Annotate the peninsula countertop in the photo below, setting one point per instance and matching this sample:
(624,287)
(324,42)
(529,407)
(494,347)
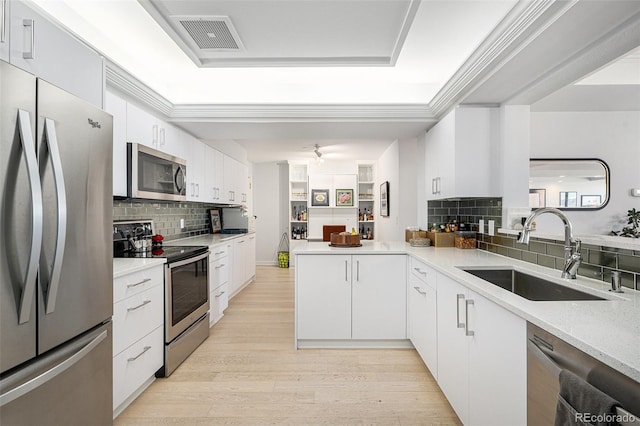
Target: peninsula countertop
(608,330)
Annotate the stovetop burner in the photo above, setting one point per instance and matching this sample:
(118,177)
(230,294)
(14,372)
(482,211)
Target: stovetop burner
(132,239)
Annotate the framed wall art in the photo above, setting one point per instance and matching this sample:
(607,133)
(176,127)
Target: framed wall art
(214,217)
(319,197)
(384,199)
(344,197)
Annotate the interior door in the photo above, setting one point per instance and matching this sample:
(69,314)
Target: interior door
(76,273)
(20,248)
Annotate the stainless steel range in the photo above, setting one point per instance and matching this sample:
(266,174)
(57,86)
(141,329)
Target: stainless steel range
(186,293)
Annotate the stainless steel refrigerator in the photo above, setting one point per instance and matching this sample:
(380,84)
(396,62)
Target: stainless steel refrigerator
(56,273)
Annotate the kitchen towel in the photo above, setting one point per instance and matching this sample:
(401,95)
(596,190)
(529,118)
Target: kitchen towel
(579,403)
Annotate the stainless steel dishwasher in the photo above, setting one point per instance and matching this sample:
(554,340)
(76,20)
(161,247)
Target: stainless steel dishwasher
(547,355)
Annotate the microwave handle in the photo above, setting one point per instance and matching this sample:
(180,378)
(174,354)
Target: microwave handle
(180,180)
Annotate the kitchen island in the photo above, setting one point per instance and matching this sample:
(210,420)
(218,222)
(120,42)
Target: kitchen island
(471,334)
(607,330)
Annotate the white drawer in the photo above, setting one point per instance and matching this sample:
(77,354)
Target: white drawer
(219,251)
(137,282)
(137,364)
(219,273)
(136,316)
(219,302)
(423,272)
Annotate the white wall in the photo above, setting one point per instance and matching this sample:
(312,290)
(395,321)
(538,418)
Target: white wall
(388,228)
(410,184)
(267,209)
(611,136)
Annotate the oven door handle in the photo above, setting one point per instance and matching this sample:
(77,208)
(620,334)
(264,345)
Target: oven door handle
(189,260)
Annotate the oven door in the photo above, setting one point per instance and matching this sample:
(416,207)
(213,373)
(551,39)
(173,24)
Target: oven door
(186,294)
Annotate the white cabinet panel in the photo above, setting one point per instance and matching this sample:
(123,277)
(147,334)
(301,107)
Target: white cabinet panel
(196,157)
(142,127)
(214,174)
(458,161)
(323,299)
(379,295)
(136,365)
(48,52)
(219,302)
(137,282)
(422,327)
(5,33)
(136,316)
(117,107)
(351,297)
(482,359)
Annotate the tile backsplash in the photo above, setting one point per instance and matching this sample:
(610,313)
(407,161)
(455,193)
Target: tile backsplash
(166,216)
(467,210)
(597,263)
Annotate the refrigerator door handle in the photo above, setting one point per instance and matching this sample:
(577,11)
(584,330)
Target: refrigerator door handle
(41,379)
(29,149)
(61,197)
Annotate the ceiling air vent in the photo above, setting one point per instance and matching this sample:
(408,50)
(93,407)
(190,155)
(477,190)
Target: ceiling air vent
(211,32)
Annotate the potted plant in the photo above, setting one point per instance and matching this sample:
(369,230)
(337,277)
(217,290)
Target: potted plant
(633,230)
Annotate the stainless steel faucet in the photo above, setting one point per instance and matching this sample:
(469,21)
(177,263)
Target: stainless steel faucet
(572,258)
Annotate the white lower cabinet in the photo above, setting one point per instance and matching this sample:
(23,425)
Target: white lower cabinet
(243,262)
(342,297)
(138,333)
(482,361)
(219,268)
(422,328)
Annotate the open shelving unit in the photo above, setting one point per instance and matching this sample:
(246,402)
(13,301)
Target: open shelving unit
(298,201)
(366,201)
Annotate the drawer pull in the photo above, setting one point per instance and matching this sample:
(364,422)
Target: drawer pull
(146,348)
(218,252)
(146,280)
(419,271)
(220,294)
(424,293)
(220,266)
(146,302)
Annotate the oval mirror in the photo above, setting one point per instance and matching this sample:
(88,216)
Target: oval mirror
(568,184)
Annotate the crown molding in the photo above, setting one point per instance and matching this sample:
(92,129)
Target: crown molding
(525,21)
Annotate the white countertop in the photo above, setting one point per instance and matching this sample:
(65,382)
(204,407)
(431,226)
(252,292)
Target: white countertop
(607,330)
(206,239)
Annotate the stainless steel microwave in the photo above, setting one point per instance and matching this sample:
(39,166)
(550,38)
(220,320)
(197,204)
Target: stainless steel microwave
(154,175)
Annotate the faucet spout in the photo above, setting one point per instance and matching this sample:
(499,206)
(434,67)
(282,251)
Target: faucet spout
(572,258)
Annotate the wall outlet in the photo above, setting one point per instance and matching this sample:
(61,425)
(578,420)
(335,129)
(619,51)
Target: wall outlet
(181,223)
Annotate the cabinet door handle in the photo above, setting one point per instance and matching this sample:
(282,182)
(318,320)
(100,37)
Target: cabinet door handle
(220,294)
(458,323)
(433,186)
(146,302)
(220,266)
(146,280)
(162,136)
(3,31)
(466,314)
(198,188)
(420,272)
(218,252)
(438,185)
(146,348)
(346,278)
(154,135)
(357,270)
(424,293)
(31,24)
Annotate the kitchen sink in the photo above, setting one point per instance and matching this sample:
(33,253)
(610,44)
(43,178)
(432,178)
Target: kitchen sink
(529,286)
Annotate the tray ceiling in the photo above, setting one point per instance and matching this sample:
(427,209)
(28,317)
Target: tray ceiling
(286,33)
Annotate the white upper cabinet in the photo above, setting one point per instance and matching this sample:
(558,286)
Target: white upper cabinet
(48,52)
(5,34)
(117,107)
(196,159)
(214,174)
(459,161)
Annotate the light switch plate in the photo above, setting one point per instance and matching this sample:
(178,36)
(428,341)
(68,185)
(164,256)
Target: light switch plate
(481,226)
(492,227)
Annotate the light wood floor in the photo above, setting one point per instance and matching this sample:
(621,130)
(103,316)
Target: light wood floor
(248,373)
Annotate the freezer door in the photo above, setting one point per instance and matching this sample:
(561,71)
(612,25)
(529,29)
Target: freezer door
(71,385)
(76,274)
(20,216)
